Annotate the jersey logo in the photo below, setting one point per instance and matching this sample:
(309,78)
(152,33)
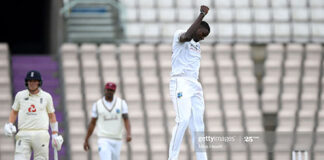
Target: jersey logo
(194,47)
(117,111)
(179,95)
(111,117)
(32,108)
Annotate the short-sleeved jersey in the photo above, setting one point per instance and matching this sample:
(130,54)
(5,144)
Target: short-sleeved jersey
(33,109)
(185,57)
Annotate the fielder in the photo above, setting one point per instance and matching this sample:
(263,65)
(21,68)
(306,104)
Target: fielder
(185,90)
(109,114)
(34,108)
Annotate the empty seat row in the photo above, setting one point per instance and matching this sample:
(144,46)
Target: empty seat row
(231,32)
(226,15)
(221,3)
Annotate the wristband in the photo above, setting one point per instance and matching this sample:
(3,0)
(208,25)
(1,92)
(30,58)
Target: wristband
(202,12)
(54,126)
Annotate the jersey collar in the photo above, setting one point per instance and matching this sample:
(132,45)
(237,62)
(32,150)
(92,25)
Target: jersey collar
(104,102)
(38,94)
(194,42)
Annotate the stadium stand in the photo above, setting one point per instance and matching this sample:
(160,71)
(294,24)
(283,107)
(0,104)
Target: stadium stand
(227,76)
(230,92)
(237,91)
(233,21)
(262,57)
(7,144)
(148,67)
(73,100)
(92,21)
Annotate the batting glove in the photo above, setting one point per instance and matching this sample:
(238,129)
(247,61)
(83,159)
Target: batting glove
(57,141)
(9,129)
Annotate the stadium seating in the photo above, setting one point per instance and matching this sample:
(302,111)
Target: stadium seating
(252,21)
(74,103)
(229,109)
(319,137)
(7,144)
(230,95)
(289,33)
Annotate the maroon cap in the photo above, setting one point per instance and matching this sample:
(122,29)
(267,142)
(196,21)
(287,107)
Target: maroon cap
(110,85)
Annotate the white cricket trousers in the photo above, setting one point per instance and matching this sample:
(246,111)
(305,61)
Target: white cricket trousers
(109,149)
(32,140)
(188,102)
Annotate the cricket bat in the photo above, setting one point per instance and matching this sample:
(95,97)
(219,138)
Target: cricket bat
(55,154)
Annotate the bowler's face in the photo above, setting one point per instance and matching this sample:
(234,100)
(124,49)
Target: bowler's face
(201,34)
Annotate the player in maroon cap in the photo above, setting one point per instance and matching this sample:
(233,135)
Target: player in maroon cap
(109,114)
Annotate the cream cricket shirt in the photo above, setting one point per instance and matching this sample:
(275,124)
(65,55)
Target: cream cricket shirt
(185,57)
(33,109)
(109,123)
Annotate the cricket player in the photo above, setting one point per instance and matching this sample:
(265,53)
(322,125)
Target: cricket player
(110,115)
(34,108)
(185,90)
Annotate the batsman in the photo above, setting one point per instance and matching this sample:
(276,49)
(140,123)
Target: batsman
(35,110)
